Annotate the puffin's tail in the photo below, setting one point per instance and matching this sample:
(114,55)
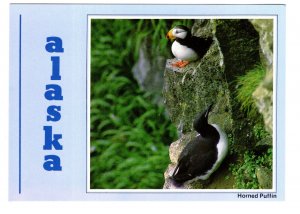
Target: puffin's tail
(180,178)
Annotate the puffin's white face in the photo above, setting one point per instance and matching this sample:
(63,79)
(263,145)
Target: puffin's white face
(177,33)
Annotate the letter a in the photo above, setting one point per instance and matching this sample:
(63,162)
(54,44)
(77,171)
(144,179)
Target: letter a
(52,163)
(54,45)
(53,92)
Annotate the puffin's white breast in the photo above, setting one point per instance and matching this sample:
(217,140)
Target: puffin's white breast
(182,52)
(222,148)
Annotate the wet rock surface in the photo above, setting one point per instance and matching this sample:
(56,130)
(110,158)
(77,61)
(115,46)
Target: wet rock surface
(264,176)
(264,92)
(147,71)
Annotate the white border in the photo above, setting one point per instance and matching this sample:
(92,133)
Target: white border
(274,186)
(274,125)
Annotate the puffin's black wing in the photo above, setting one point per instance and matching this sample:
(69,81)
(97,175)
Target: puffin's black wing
(195,160)
(201,45)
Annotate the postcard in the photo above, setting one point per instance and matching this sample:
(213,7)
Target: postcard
(147,102)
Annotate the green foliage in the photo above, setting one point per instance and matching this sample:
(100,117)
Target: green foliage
(129,135)
(244,171)
(231,144)
(250,156)
(260,132)
(246,85)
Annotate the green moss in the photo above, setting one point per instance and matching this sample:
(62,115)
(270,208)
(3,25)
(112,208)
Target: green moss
(244,171)
(189,93)
(252,155)
(260,132)
(246,85)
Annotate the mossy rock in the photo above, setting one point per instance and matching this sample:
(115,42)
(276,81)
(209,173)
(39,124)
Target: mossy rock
(188,91)
(239,44)
(264,177)
(264,92)
(265,29)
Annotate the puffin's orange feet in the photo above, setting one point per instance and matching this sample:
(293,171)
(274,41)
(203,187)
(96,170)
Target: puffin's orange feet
(180,63)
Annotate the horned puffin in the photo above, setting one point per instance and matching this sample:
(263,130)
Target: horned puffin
(202,155)
(187,48)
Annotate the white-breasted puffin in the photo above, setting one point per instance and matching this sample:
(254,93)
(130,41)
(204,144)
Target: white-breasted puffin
(187,48)
(203,155)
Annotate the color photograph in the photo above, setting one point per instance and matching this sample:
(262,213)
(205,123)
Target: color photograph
(181,104)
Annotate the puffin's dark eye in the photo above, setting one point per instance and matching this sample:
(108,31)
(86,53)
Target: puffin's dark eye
(176,31)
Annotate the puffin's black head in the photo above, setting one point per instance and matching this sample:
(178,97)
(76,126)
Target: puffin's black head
(179,31)
(201,123)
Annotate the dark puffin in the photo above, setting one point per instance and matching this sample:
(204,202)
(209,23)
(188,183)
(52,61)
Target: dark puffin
(202,155)
(187,48)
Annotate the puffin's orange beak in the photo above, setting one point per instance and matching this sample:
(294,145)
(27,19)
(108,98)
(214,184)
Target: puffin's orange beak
(170,35)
